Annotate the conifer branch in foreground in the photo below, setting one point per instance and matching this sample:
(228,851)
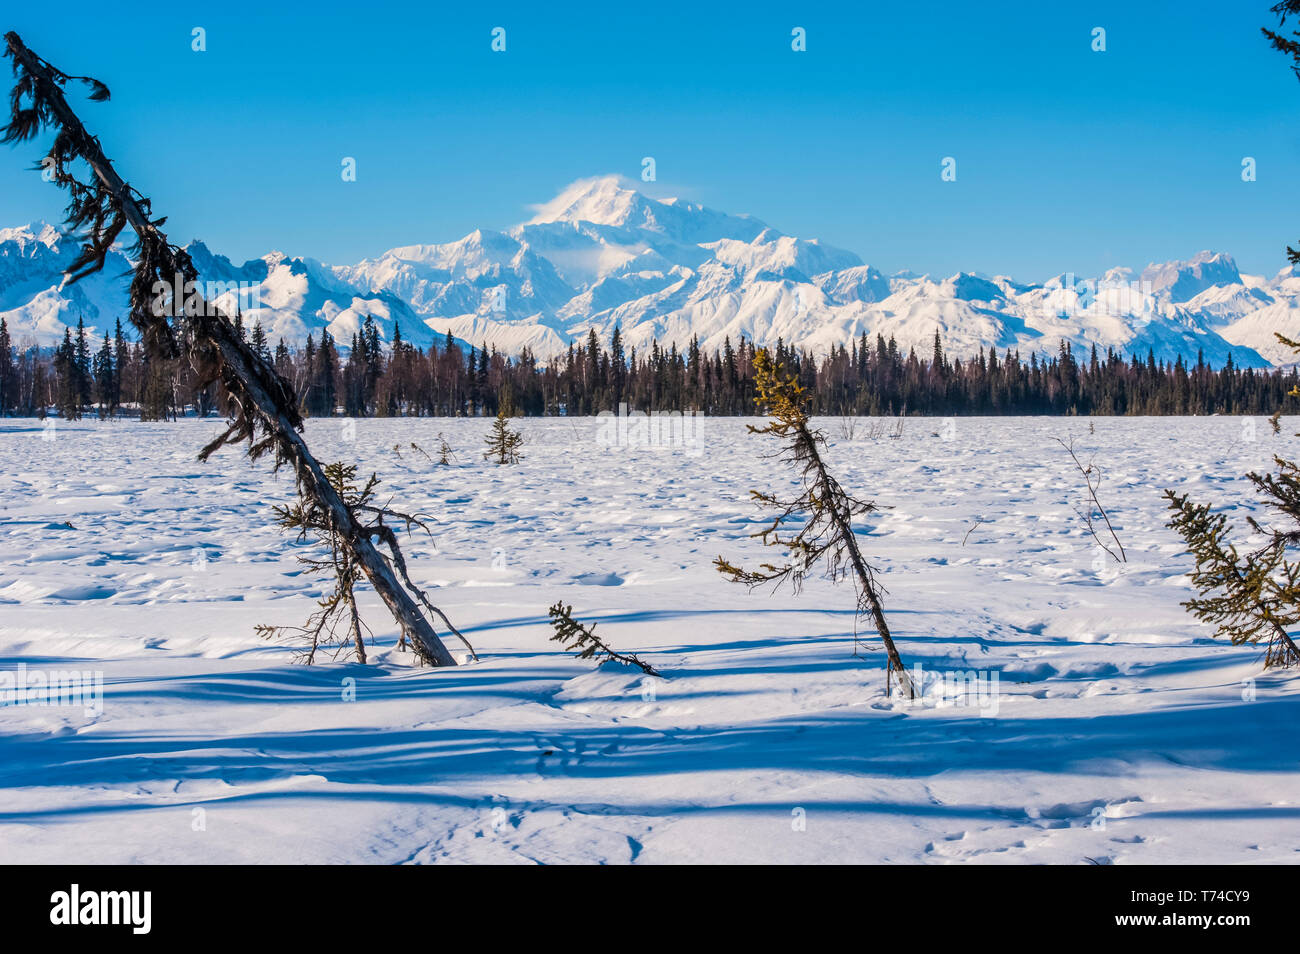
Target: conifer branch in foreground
(577,637)
(1250,598)
(1256,596)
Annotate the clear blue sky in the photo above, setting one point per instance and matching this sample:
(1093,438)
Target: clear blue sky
(1067,159)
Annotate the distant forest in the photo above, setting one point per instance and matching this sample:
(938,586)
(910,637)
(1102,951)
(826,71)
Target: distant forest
(112,377)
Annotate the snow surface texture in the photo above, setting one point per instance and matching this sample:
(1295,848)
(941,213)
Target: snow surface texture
(603,255)
(1122,734)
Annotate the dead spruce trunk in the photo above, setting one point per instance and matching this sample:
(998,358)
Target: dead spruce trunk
(264,399)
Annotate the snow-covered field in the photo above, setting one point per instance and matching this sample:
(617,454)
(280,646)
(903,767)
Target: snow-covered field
(1118,731)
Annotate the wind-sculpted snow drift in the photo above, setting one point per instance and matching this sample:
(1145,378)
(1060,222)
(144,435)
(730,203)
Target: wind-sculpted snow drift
(603,255)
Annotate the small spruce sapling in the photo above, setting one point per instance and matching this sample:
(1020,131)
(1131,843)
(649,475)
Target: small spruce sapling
(576,637)
(445,453)
(503,442)
(825,509)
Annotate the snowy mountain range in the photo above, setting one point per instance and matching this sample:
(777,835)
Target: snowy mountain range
(601,254)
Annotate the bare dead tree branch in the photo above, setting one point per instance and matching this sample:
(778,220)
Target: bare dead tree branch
(1092,480)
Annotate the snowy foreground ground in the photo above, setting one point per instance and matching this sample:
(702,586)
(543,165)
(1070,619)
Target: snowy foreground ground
(1121,733)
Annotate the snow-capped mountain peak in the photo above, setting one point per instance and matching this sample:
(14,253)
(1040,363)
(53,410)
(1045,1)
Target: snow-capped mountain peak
(613,203)
(603,200)
(1185,280)
(36,233)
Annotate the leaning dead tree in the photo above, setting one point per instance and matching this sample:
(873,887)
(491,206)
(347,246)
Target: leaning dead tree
(824,507)
(175,320)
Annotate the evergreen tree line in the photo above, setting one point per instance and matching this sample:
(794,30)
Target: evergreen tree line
(113,376)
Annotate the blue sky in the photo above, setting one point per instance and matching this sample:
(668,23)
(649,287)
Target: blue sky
(1067,159)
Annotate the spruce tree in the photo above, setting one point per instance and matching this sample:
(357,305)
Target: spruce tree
(373,354)
(355,403)
(156,388)
(39,400)
(1250,597)
(283,360)
(84,377)
(823,512)
(67,386)
(326,391)
(103,371)
(258,341)
(8,372)
(121,359)
(307,391)
(503,442)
